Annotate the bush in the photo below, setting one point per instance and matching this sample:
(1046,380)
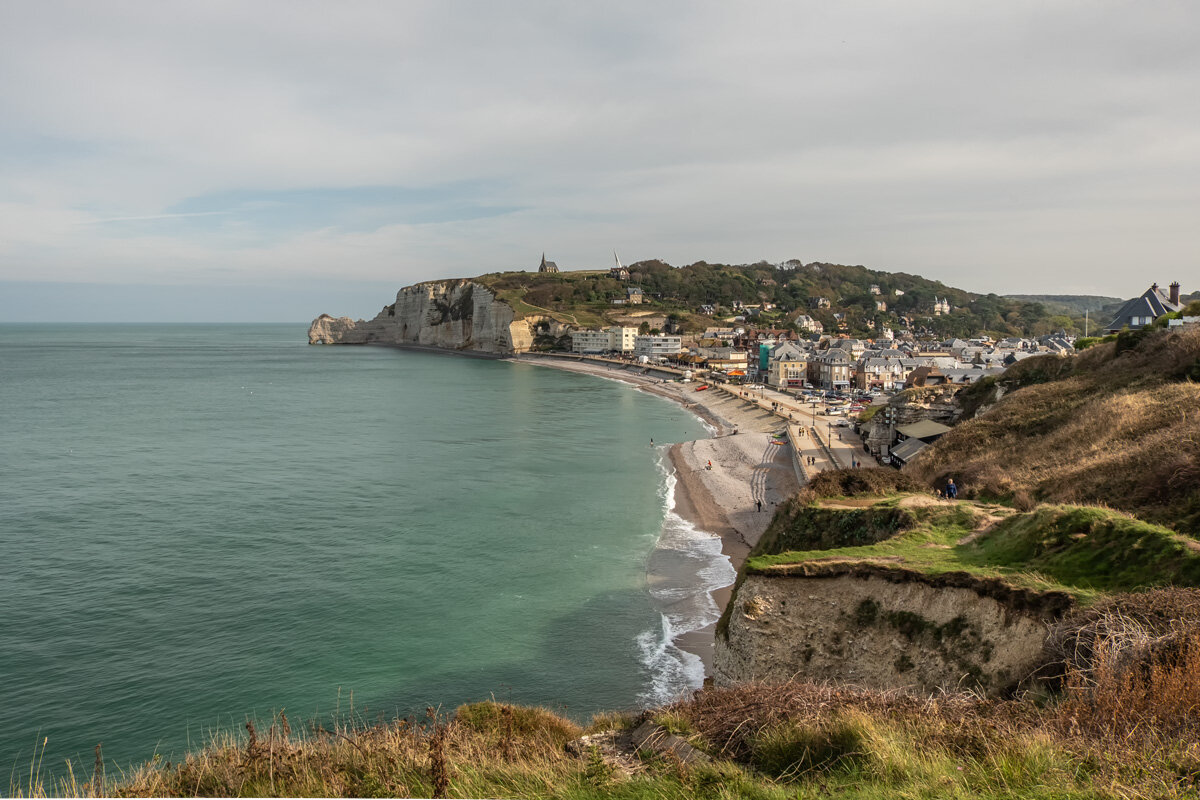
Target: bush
(1138,687)
(509,725)
(855,482)
(800,527)
(1074,643)
(791,749)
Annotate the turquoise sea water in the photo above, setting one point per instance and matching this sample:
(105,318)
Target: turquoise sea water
(204,523)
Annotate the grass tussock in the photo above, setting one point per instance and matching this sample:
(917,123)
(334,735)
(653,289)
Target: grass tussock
(858,482)
(1118,424)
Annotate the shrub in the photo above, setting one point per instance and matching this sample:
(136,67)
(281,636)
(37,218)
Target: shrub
(855,482)
(517,729)
(790,749)
(1138,688)
(799,527)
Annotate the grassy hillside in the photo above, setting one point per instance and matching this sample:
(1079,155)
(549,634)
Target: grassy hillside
(586,296)
(1075,304)
(1116,425)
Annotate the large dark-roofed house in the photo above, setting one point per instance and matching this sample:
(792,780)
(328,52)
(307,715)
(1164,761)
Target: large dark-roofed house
(1141,311)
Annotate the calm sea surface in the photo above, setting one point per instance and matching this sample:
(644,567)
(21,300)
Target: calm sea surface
(205,523)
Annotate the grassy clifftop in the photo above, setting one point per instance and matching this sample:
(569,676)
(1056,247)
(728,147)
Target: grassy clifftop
(1081,551)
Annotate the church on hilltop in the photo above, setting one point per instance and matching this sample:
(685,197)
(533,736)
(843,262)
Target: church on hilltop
(547,266)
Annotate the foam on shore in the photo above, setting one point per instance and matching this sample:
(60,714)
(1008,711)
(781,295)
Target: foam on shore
(682,570)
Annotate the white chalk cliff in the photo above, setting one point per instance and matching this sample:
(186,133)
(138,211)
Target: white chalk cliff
(459,315)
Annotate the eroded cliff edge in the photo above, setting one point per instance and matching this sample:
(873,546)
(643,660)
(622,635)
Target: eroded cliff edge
(899,591)
(459,315)
(878,626)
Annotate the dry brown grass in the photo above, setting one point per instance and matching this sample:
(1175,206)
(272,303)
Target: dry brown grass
(1120,430)
(768,741)
(731,720)
(1139,689)
(433,757)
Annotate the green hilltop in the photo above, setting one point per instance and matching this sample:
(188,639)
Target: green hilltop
(586,298)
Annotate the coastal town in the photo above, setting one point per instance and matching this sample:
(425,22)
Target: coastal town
(835,379)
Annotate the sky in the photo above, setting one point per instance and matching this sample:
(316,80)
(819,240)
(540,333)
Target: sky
(272,161)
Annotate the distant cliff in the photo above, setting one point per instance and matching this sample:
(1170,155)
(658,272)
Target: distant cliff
(460,315)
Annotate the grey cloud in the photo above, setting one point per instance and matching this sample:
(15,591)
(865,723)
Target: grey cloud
(969,142)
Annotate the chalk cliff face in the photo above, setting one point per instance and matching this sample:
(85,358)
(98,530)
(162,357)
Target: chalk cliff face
(455,315)
(884,629)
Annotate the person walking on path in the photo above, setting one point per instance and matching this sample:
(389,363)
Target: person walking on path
(951,489)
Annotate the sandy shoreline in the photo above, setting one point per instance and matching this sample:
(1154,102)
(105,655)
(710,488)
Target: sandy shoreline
(748,473)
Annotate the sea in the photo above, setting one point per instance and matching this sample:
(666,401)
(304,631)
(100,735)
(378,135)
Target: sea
(202,525)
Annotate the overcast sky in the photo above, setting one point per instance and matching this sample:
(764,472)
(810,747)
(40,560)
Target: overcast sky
(276,160)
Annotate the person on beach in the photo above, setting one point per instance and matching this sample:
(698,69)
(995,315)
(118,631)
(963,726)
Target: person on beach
(759,505)
(709,465)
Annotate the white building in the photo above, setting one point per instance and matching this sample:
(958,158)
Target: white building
(610,340)
(806,323)
(658,346)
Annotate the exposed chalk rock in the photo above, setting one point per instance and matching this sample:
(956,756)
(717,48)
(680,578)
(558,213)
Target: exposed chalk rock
(456,315)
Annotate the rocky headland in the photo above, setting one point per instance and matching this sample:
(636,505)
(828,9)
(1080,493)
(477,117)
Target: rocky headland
(458,315)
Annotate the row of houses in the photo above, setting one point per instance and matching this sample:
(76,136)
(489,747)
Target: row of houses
(788,366)
(786,359)
(625,341)
(888,366)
